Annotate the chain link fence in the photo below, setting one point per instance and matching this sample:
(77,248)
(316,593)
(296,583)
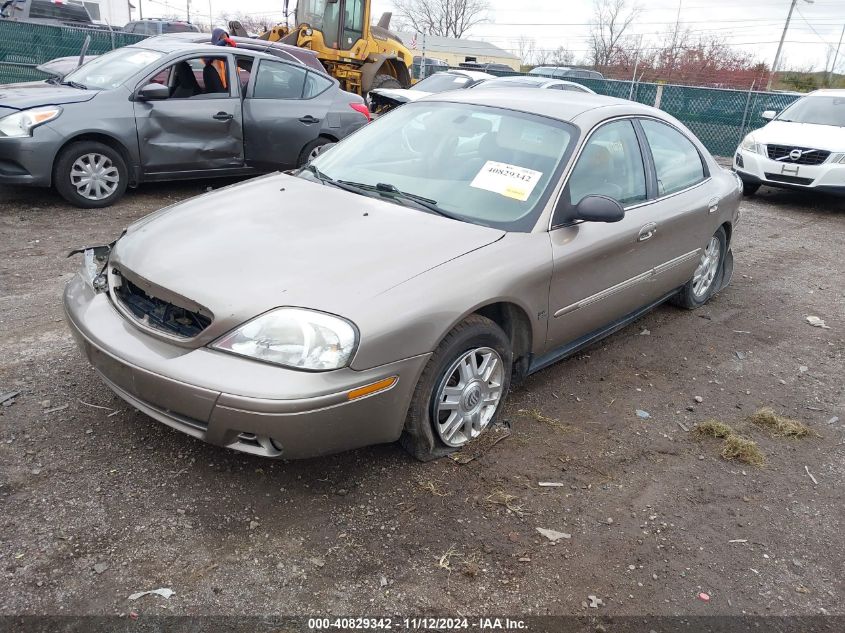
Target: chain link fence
(719,117)
(25,45)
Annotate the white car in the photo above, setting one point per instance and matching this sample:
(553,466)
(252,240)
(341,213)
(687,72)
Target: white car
(383,99)
(803,147)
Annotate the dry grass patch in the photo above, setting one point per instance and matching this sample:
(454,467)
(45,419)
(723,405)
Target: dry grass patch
(502,498)
(743,450)
(538,415)
(781,426)
(431,486)
(713,428)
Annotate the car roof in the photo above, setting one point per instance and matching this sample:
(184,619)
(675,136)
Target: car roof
(827,92)
(475,75)
(554,104)
(171,42)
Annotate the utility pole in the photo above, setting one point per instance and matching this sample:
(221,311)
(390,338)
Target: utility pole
(780,45)
(189,10)
(835,57)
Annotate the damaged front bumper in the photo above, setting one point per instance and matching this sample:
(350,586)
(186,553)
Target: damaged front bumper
(236,402)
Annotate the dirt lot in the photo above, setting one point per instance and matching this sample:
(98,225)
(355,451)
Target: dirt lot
(99,501)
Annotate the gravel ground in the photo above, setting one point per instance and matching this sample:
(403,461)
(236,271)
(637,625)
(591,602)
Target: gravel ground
(99,501)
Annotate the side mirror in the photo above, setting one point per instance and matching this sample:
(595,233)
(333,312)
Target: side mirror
(154,92)
(768,115)
(599,209)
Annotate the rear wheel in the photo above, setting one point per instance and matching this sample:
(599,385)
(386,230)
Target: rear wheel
(460,391)
(90,175)
(703,285)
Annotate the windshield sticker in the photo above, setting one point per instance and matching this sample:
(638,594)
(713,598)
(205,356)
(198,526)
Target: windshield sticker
(507,180)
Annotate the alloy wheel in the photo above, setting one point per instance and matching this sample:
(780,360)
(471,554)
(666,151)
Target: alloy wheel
(468,396)
(708,266)
(94,176)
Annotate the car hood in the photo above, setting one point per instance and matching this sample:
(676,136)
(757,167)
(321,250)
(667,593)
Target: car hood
(32,94)
(827,137)
(400,95)
(281,240)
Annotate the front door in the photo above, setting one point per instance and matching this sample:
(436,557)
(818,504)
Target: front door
(601,270)
(199,127)
(286,108)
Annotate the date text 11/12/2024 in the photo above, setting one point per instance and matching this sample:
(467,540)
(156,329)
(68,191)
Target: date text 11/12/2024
(421,624)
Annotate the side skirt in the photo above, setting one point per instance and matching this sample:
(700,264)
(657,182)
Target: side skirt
(549,358)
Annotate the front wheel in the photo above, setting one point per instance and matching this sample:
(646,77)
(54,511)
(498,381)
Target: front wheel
(703,285)
(460,391)
(90,175)
(749,188)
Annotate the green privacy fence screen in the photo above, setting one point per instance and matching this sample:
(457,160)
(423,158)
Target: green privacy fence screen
(719,117)
(24,45)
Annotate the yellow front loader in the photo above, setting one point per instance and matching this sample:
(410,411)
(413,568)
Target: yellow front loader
(361,57)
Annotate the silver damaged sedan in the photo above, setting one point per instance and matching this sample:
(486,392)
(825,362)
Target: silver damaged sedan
(395,287)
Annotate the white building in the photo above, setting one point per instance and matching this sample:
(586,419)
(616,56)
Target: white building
(111,12)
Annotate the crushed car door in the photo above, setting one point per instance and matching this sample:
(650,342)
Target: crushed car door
(286,108)
(199,126)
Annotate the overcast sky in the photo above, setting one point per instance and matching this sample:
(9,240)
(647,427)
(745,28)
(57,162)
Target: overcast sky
(754,25)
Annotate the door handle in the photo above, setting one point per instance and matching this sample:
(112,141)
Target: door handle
(714,205)
(223,116)
(647,232)
(309,119)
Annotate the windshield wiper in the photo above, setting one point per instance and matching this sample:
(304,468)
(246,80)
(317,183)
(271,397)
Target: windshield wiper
(340,184)
(390,191)
(75,84)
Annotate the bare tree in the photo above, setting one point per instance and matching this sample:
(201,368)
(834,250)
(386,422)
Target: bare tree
(561,56)
(611,19)
(525,47)
(449,18)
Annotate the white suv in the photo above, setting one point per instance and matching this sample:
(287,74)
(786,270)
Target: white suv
(803,147)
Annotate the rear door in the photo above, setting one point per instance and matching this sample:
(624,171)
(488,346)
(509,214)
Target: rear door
(685,204)
(286,108)
(196,129)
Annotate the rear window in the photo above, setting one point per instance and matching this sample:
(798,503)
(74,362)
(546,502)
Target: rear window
(44,9)
(178,27)
(144,28)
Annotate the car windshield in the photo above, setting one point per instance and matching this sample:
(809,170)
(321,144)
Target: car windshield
(508,82)
(821,110)
(112,69)
(441,82)
(478,164)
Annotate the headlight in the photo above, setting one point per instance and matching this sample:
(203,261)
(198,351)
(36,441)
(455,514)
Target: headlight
(750,145)
(294,337)
(22,123)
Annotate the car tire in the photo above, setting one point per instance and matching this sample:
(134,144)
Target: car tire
(749,188)
(311,150)
(705,281)
(82,160)
(385,81)
(478,346)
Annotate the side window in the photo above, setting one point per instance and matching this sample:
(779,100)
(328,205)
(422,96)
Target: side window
(611,164)
(314,85)
(197,78)
(276,80)
(676,160)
